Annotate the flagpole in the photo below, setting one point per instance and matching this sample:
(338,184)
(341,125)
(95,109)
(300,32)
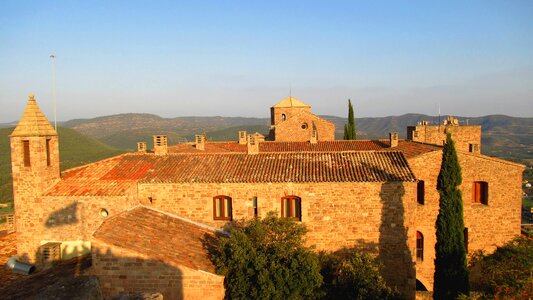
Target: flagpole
(53,62)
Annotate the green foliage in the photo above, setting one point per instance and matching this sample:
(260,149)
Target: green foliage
(353,275)
(349,129)
(266,259)
(451,273)
(506,273)
(75,149)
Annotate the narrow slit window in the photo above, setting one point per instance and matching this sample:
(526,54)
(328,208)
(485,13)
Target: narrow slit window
(222,209)
(291,207)
(26,146)
(419,246)
(256,212)
(48,160)
(420,192)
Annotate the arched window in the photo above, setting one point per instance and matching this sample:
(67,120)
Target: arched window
(480,192)
(420,192)
(291,207)
(222,208)
(419,246)
(283,117)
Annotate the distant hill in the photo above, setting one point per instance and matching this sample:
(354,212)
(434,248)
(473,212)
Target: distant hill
(503,136)
(75,149)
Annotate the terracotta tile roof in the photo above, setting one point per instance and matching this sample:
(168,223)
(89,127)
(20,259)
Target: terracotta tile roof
(291,102)
(158,235)
(33,122)
(408,148)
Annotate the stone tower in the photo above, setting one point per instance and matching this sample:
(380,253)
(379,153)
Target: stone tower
(34,163)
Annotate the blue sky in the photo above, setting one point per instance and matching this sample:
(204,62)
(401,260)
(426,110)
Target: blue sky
(237,58)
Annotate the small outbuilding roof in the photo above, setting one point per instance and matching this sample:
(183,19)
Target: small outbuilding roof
(160,236)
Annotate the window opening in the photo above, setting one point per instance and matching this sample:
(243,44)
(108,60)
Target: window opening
(26,146)
(291,207)
(255,206)
(420,192)
(419,246)
(480,192)
(48,161)
(222,209)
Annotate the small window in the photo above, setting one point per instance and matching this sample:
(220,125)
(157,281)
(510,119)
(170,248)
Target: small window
(473,148)
(304,126)
(222,208)
(480,192)
(291,207)
(420,192)
(419,246)
(465,234)
(151,200)
(26,146)
(283,117)
(48,161)
(256,211)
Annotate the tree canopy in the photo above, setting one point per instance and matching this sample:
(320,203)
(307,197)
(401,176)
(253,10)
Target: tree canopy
(349,129)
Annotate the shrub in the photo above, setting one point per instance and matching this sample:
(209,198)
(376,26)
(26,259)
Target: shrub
(267,259)
(350,274)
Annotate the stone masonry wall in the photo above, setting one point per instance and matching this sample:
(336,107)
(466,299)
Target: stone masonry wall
(277,112)
(488,225)
(122,271)
(300,128)
(44,219)
(368,215)
(462,135)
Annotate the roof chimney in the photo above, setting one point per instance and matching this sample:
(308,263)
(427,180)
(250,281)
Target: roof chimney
(160,145)
(393,137)
(253,145)
(200,141)
(141,147)
(242,137)
(314,136)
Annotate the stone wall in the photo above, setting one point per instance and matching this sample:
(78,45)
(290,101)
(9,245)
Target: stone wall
(300,128)
(432,134)
(488,225)
(375,216)
(121,271)
(277,112)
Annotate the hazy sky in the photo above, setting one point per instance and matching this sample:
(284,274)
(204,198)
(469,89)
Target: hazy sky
(238,58)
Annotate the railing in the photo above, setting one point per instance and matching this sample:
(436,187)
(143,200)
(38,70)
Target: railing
(7,222)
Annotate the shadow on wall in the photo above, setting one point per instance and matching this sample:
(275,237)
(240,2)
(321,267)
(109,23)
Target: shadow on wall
(64,216)
(117,275)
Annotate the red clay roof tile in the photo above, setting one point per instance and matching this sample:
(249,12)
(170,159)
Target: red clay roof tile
(178,241)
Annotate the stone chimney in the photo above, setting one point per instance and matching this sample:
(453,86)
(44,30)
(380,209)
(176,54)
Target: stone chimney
(314,137)
(200,141)
(242,137)
(393,137)
(141,147)
(160,145)
(253,145)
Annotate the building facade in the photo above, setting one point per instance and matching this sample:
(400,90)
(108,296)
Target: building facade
(376,195)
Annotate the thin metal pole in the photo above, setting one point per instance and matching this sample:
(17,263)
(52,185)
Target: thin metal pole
(53,61)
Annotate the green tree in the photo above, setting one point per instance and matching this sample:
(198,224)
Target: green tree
(349,129)
(451,273)
(267,259)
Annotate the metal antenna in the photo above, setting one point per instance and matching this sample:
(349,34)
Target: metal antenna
(53,62)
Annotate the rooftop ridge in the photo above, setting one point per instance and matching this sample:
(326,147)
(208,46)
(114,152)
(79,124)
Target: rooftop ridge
(65,172)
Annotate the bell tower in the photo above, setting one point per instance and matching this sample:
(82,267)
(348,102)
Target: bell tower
(34,154)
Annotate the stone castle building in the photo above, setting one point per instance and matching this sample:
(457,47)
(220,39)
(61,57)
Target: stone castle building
(144,216)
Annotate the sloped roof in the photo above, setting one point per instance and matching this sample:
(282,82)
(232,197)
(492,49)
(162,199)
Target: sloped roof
(33,122)
(408,148)
(160,236)
(291,102)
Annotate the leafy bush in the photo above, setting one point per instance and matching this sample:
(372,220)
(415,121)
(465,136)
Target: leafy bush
(350,274)
(506,273)
(267,259)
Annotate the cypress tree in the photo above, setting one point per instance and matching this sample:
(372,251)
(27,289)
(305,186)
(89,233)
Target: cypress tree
(349,129)
(451,273)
